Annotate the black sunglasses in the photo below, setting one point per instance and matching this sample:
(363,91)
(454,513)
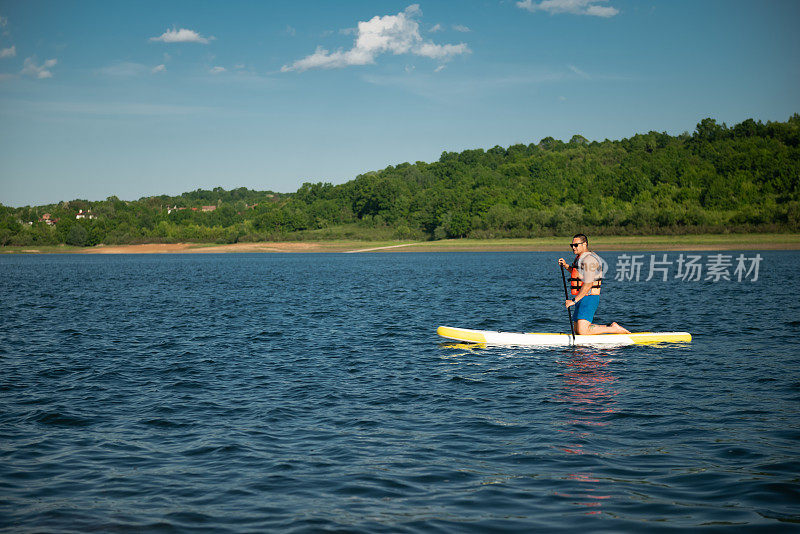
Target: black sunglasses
(573,245)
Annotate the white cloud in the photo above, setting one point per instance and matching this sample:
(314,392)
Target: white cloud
(436,28)
(182,36)
(574,7)
(461,28)
(398,34)
(217,70)
(38,71)
(159,68)
(8,52)
(602,11)
(290,31)
(440,68)
(435,51)
(3,22)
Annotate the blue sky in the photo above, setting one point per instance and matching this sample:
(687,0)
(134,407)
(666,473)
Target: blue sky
(101,98)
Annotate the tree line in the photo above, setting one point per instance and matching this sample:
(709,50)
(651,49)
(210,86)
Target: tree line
(742,178)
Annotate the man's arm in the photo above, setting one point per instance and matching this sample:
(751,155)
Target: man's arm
(585,288)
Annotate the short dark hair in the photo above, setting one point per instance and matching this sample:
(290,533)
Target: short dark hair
(582,237)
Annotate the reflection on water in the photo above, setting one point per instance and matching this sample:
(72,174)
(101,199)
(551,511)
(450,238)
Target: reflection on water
(462,346)
(588,393)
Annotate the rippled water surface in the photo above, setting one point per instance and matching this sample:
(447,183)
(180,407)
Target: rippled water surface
(266,392)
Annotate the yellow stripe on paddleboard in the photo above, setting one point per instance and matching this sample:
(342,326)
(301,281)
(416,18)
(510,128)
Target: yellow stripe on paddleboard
(642,338)
(461,335)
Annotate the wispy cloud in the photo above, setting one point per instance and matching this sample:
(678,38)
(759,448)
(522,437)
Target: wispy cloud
(159,68)
(578,71)
(127,69)
(574,7)
(217,70)
(30,68)
(447,89)
(398,34)
(436,28)
(182,36)
(290,31)
(7,52)
(461,28)
(450,88)
(124,109)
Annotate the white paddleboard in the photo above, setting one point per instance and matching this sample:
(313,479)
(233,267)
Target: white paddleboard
(490,337)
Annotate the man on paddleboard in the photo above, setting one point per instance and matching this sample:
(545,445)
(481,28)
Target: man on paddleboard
(586,277)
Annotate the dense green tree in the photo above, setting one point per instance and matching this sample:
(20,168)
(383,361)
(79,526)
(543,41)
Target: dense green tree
(77,236)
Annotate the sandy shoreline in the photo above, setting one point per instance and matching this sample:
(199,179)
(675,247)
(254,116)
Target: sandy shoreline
(193,248)
(628,243)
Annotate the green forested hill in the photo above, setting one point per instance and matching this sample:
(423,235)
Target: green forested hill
(720,178)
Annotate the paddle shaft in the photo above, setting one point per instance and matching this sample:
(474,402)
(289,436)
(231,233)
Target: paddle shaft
(566,294)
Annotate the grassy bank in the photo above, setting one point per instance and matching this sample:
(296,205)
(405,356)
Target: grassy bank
(656,242)
(557,243)
(44,249)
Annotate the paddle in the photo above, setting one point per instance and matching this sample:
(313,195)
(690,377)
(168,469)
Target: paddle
(566,293)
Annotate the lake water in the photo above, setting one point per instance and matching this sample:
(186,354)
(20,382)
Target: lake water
(309,392)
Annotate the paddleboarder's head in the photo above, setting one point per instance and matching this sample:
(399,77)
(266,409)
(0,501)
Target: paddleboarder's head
(580,243)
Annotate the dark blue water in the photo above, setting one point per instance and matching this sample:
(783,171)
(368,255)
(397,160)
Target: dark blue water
(266,392)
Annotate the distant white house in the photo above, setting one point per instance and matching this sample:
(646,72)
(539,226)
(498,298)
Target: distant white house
(48,219)
(85,215)
(173,209)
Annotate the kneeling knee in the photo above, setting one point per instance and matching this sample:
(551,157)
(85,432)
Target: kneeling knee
(583,328)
